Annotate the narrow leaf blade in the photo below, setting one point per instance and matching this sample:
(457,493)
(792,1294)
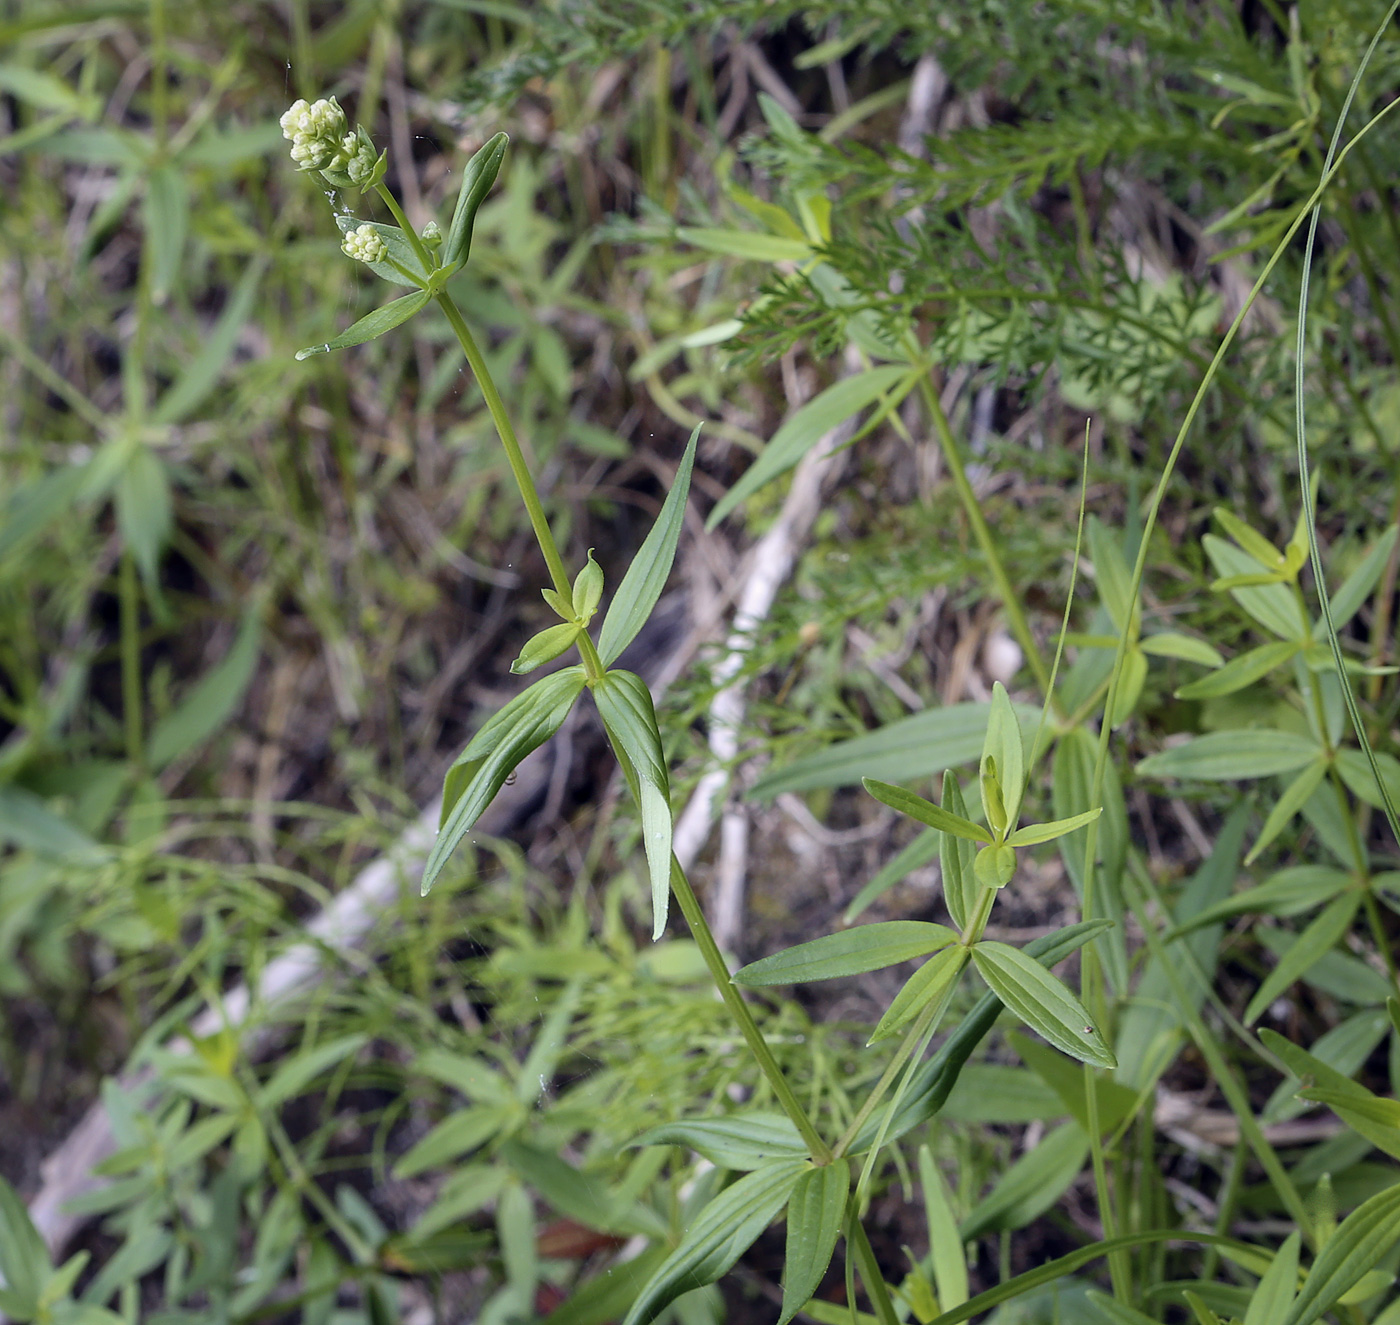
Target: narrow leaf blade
(1042,1002)
(815,1214)
(383,319)
(926,812)
(849,952)
(646,577)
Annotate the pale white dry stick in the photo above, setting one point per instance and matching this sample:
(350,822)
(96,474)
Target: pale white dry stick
(768,567)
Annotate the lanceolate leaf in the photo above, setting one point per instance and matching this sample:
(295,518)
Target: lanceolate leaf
(646,577)
(850,952)
(1346,602)
(925,985)
(945,1246)
(746,1140)
(1232,755)
(477,178)
(1032,1184)
(144,509)
(624,703)
(1005,746)
(814,1217)
(926,812)
(724,1231)
(1364,1237)
(1242,671)
(1344,1097)
(807,426)
(1278,1287)
(1042,1002)
(921,745)
(526,723)
(1031,834)
(1315,942)
(372,324)
(210,701)
(955,857)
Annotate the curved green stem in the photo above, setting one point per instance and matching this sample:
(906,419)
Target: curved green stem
(714,961)
(957,471)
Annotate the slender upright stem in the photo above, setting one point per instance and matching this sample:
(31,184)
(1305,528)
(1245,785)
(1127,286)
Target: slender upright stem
(952,457)
(680,885)
(748,1027)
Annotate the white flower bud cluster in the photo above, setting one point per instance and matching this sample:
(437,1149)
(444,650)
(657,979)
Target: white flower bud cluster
(364,244)
(318,132)
(356,159)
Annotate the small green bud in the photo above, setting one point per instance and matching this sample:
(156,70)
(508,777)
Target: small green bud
(588,589)
(994,866)
(432,234)
(364,245)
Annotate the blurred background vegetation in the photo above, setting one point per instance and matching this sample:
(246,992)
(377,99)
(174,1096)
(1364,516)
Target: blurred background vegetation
(251,608)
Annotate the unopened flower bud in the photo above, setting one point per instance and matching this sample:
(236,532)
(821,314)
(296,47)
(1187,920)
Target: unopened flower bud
(364,244)
(432,234)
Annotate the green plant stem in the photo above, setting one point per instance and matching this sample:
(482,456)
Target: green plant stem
(957,471)
(870,1275)
(129,605)
(689,904)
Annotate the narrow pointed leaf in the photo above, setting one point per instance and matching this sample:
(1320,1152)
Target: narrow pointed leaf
(925,985)
(144,512)
(1357,586)
(849,952)
(1006,746)
(956,856)
(807,426)
(1170,644)
(526,723)
(1273,606)
(201,373)
(925,811)
(745,1140)
(1363,1238)
(1032,834)
(1042,1002)
(816,1210)
(372,324)
(625,705)
(1315,942)
(723,1231)
(944,1243)
(210,701)
(749,244)
(1294,797)
(646,577)
(545,647)
(1031,1185)
(477,178)
(167,216)
(1278,1287)
(1233,755)
(1242,671)
(919,746)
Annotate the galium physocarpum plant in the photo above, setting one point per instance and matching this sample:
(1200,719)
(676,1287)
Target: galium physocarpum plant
(789,1164)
